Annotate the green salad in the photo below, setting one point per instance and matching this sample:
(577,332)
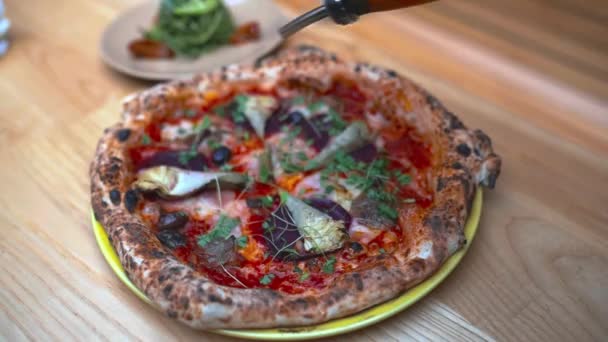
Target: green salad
(192,27)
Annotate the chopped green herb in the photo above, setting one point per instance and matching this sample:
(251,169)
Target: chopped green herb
(220,110)
(267,201)
(329,189)
(284,196)
(388,211)
(181,131)
(298,270)
(221,230)
(298,100)
(226,167)
(317,106)
(213,144)
(203,125)
(329,265)
(382,251)
(301,156)
(304,276)
(238,115)
(267,279)
(145,139)
(184,157)
(266,226)
(242,241)
(190,113)
(265,166)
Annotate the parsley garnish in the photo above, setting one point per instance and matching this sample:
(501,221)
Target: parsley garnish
(221,230)
(329,265)
(267,201)
(298,100)
(145,139)
(213,144)
(267,279)
(203,125)
(226,168)
(242,241)
(184,157)
(374,179)
(238,115)
(303,275)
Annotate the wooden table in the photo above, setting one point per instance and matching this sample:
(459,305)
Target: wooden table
(532,73)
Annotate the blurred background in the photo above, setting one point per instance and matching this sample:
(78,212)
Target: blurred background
(533,74)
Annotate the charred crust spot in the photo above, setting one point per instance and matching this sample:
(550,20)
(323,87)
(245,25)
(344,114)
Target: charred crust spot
(224,77)
(115,196)
(301,302)
(200,291)
(358,68)
(123,134)
(162,278)
(338,294)
(131,199)
(441,183)
(157,254)
(185,302)
(457,166)
(453,121)
(392,73)
(214,299)
(172,314)
(433,102)
(95,215)
(417,265)
(434,222)
(356,247)
(167,290)
(358,281)
(104,204)
(476,151)
(175,269)
(333,57)
(306,47)
(464,150)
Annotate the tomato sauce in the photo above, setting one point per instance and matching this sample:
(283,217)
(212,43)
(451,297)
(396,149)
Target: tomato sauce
(299,276)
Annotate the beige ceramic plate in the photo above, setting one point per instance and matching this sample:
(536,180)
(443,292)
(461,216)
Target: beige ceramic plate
(129,24)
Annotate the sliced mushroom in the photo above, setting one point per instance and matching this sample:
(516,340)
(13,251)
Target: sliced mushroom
(354,136)
(258,109)
(320,232)
(174,182)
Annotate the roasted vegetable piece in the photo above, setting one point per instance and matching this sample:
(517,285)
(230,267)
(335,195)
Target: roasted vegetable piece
(174,182)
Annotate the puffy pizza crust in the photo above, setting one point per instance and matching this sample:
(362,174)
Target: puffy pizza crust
(464,159)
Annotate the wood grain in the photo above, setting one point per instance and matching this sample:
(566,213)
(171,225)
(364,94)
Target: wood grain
(532,73)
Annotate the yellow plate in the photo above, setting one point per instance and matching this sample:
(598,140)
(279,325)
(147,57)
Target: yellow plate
(339,326)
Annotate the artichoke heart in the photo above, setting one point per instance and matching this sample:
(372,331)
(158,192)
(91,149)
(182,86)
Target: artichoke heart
(354,136)
(170,181)
(258,109)
(320,232)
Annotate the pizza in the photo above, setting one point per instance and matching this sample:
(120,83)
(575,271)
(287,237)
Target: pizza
(287,193)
